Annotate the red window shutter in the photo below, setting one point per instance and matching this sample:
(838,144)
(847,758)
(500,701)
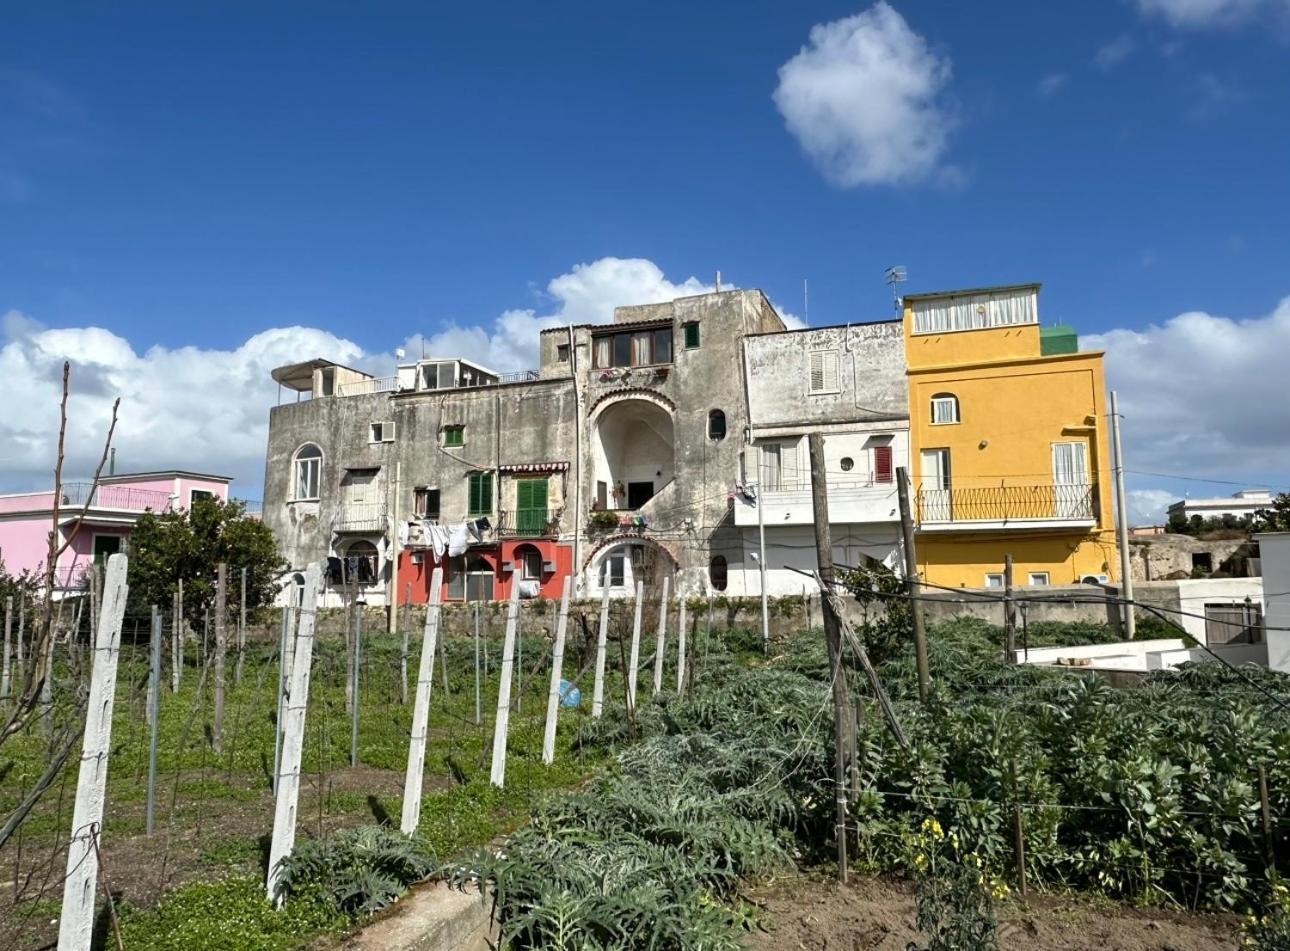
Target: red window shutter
(882,463)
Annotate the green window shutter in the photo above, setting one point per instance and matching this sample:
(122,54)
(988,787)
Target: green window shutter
(523,494)
(691,336)
(539,494)
(481,493)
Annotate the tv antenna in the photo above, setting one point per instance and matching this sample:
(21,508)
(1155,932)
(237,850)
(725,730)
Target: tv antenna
(896,274)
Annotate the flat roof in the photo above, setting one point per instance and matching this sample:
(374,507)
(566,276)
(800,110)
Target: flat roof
(165,474)
(932,295)
(800,330)
(300,376)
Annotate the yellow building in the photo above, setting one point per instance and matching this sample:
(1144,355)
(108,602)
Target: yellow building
(1008,442)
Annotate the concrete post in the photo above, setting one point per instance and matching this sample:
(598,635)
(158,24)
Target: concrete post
(498,776)
(293,734)
(221,651)
(557,666)
(154,717)
(680,649)
(412,781)
(660,641)
(241,633)
(6,673)
(22,634)
(76,922)
(598,692)
(636,646)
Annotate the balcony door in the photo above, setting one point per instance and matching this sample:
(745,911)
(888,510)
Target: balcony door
(530,506)
(1070,480)
(934,489)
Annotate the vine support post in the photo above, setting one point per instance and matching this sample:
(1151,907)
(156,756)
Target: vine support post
(1009,614)
(8,633)
(912,587)
(154,718)
(635,660)
(842,725)
(221,649)
(1265,807)
(660,640)
(598,691)
(412,781)
(502,721)
(680,648)
(557,668)
(76,922)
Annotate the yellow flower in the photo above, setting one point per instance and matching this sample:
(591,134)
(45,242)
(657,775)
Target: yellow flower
(1001,889)
(933,828)
(920,862)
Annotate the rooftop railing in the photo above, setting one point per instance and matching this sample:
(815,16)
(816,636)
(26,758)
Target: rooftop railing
(376,384)
(124,497)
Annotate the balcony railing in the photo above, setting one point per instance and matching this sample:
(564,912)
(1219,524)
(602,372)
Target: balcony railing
(519,376)
(1007,503)
(114,497)
(376,384)
(529,523)
(367,517)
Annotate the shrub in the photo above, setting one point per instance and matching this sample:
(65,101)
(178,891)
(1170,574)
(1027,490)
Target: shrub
(359,871)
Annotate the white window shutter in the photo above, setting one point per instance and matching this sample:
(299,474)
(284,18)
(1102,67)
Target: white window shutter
(831,371)
(817,372)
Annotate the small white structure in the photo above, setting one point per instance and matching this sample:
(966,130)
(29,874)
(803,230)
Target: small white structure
(1138,656)
(1274,550)
(1241,504)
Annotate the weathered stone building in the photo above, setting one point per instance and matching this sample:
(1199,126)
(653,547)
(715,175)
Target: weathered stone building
(613,461)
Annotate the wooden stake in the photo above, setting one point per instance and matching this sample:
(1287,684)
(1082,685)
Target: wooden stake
(912,587)
(680,649)
(660,642)
(636,646)
(76,921)
(414,778)
(154,718)
(842,723)
(293,735)
(356,672)
(498,774)
(557,669)
(1009,614)
(22,629)
(221,647)
(1265,806)
(1019,845)
(598,691)
(403,654)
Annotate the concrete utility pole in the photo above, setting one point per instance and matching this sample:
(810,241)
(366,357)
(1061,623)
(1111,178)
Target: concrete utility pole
(557,669)
(1122,524)
(680,648)
(842,721)
(502,723)
(660,641)
(912,587)
(403,652)
(412,782)
(221,646)
(479,717)
(76,922)
(598,691)
(154,717)
(293,734)
(636,647)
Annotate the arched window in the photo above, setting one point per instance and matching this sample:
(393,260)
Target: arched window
(308,471)
(361,560)
(945,409)
(716,424)
(530,562)
(718,572)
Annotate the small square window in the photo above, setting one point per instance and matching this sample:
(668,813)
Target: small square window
(615,569)
(382,432)
(454,435)
(425,503)
(691,335)
(532,565)
(994,581)
(562,352)
(1038,578)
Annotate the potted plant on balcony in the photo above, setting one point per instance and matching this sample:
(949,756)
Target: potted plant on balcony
(603,521)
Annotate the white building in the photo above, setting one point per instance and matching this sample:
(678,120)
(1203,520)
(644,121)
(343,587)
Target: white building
(848,384)
(1241,504)
(1274,550)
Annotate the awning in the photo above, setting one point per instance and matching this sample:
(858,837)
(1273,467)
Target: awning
(535,467)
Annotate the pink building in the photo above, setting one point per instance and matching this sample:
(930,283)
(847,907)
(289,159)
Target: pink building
(25,518)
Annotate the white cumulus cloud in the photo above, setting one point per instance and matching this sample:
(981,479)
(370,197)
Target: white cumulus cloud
(866,99)
(1202,397)
(1200,14)
(208,409)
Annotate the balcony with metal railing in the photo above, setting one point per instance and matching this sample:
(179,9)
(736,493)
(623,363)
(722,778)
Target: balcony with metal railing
(984,508)
(529,523)
(124,497)
(364,518)
(852,500)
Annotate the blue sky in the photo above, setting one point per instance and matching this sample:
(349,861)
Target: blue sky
(185,179)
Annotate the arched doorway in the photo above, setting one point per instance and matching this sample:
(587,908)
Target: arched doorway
(633,452)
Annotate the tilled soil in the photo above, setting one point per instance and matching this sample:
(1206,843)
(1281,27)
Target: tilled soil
(877,915)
